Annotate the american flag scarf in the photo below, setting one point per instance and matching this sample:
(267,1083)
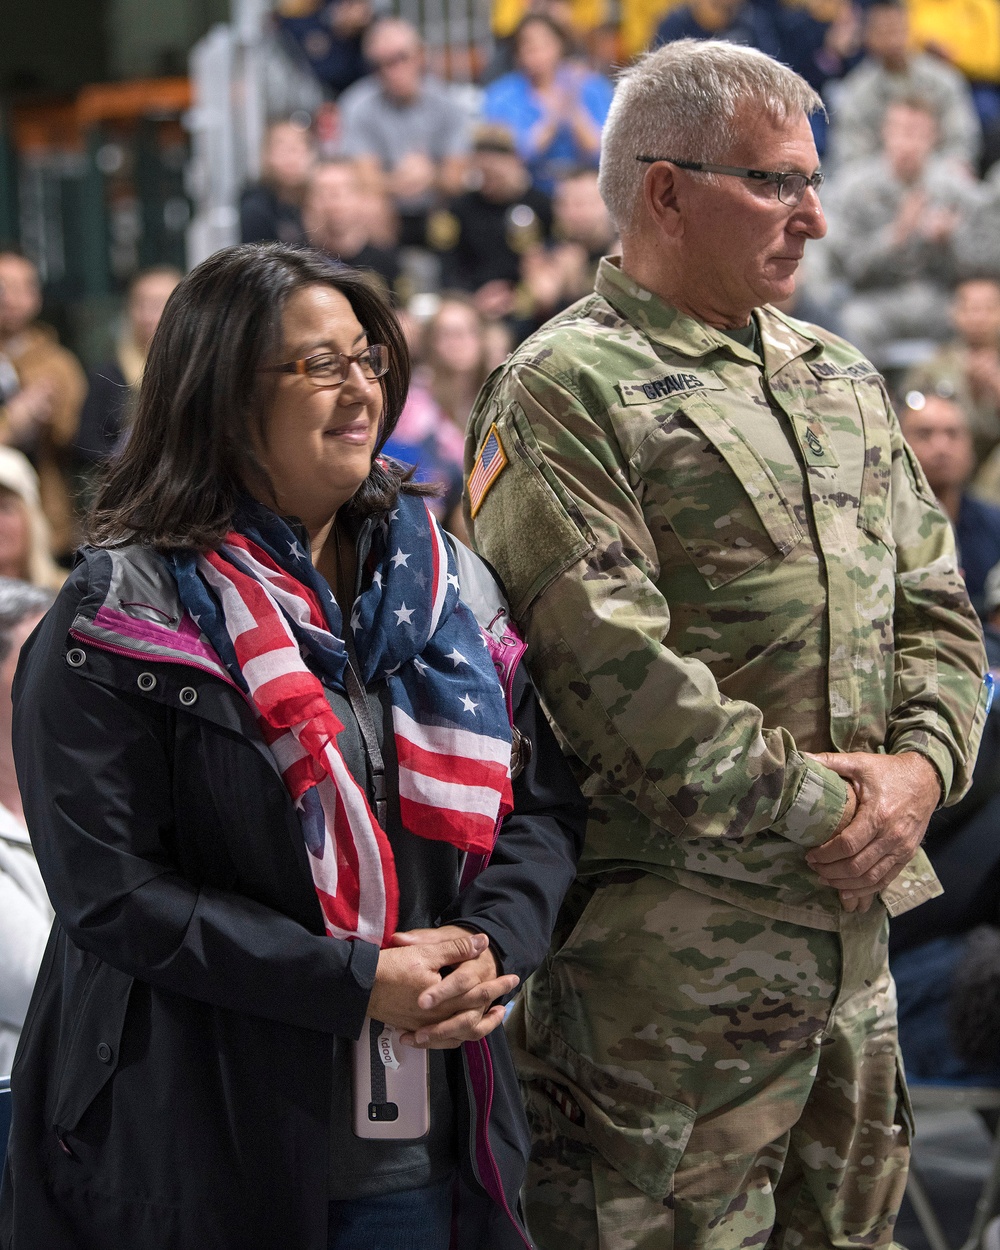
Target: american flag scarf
(277,627)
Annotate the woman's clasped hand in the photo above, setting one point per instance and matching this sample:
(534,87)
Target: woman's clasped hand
(438,985)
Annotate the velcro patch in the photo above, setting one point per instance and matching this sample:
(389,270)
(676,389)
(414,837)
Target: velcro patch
(824,370)
(650,391)
(490,463)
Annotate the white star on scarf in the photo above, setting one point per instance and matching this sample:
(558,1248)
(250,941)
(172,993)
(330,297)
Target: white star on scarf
(355,620)
(403,614)
(419,665)
(420,577)
(295,551)
(400,558)
(453,580)
(469,704)
(377,578)
(393,514)
(456,657)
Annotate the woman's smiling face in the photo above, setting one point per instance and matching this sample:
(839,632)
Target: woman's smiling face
(319,441)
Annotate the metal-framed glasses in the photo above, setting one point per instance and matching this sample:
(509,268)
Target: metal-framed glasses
(331,368)
(791,187)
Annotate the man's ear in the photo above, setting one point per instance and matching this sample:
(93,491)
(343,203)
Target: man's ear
(661,199)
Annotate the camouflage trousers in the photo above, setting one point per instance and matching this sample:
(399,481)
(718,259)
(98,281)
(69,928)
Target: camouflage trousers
(699,1077)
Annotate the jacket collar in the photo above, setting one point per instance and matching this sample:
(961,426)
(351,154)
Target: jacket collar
(133,609)
(783,339)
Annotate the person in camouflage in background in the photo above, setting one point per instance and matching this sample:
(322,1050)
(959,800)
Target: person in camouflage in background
(747,624)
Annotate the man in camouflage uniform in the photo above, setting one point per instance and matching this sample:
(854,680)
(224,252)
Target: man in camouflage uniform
(747,623)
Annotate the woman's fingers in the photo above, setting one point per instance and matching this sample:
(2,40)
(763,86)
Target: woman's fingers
(472,984)
(466,1026)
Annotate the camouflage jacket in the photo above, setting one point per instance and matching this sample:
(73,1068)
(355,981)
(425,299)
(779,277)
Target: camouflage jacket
(721,564)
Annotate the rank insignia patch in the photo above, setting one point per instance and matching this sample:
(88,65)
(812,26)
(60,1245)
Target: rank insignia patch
(490,463)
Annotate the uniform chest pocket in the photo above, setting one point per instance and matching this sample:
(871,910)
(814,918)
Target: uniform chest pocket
(714,492)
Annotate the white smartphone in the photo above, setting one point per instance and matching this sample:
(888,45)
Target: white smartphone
(392,1097)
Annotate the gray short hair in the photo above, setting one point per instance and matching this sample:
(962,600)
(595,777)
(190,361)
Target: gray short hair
(682,100)
(19,600)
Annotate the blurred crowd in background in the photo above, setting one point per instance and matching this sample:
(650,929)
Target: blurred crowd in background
(477,207)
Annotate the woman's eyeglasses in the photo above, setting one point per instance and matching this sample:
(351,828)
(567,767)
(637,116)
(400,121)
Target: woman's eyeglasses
(332,368)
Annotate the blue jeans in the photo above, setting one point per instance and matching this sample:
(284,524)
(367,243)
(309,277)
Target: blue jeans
(413,1219)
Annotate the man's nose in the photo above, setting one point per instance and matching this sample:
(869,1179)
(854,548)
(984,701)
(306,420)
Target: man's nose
(809,218)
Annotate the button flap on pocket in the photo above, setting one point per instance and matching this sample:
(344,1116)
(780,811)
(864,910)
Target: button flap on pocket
(92,1052)
(640,1131)
(721,500)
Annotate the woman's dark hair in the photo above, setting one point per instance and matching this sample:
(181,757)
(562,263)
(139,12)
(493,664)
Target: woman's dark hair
(543,19)
(202,407)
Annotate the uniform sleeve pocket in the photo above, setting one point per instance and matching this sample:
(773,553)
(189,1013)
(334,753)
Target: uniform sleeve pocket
(531,536)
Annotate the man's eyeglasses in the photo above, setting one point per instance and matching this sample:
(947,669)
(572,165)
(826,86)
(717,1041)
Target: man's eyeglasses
(791,187)
(331,368)
(395,58)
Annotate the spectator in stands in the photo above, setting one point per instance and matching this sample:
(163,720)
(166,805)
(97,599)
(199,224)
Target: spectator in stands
(272,209)
(483,233)
(331,37)
(404,128)
(234,820)
(821,40)
(42,418)
(892,71)
(937,430)
(970,363)
(583,232)
(735,21)
(113,385)
(454,357)
(452,366)
(892,221)
(337,221)
(977,241)
(554,106)
(25,545)
(25,911)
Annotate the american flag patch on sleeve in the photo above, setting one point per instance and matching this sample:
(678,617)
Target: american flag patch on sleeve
(490,462)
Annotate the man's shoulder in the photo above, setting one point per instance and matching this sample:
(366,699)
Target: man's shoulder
(931,71)
(865,77)
(362,94)
(575,340)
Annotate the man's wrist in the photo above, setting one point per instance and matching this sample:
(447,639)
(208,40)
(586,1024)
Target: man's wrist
(927,765)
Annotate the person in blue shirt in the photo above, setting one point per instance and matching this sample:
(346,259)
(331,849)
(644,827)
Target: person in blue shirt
(554,106)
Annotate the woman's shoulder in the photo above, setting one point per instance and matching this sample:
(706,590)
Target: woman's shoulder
(508,89)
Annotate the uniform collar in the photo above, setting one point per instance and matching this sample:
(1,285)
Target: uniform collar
(783,338)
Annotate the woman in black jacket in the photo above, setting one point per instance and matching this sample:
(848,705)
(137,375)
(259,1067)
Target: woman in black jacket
(265,748)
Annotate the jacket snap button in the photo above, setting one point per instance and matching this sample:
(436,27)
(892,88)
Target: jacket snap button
(76,657)
(146,681)
(188,696)
(104,1052)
